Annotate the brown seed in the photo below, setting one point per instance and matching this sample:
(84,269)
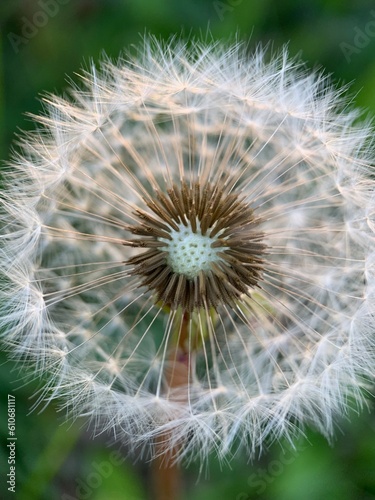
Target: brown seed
(230,236)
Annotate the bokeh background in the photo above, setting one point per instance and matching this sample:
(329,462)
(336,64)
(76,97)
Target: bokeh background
(43,41)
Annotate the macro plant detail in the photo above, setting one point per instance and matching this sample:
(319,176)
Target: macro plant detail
(187,249)
(204,250)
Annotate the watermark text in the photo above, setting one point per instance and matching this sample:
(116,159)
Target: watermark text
(31,26)
(11,444)
(264,476)
(362,37)
(84,487)
(222,8)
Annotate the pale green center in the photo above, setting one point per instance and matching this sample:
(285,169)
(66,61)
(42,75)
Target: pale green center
(189,252)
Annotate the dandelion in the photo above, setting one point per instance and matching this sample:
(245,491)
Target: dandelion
(188,249)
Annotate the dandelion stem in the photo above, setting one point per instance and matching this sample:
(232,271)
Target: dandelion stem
(166,473)
(166,479)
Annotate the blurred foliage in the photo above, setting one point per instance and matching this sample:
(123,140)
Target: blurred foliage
(37,52)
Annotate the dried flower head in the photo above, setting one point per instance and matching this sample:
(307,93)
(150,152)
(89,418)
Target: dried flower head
(188,248)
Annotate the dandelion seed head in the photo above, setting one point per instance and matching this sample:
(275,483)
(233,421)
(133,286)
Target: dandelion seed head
(203,253)
(187,249)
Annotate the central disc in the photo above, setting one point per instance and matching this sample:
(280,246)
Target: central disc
(203,246)
(190,252)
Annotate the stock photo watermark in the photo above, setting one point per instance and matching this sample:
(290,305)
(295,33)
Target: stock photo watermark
(31,25)
(223,8)
(362,37)
(259,480)
(11,445)
(84,487)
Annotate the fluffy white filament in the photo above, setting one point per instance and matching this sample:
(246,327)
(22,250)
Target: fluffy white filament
(293,351)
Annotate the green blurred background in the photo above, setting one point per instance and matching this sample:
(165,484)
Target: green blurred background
(42,41)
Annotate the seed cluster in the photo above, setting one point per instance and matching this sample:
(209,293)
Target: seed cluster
(199,215)
(190,252)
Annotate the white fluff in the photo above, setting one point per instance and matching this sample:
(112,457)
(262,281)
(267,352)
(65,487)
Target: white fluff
(292,355)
